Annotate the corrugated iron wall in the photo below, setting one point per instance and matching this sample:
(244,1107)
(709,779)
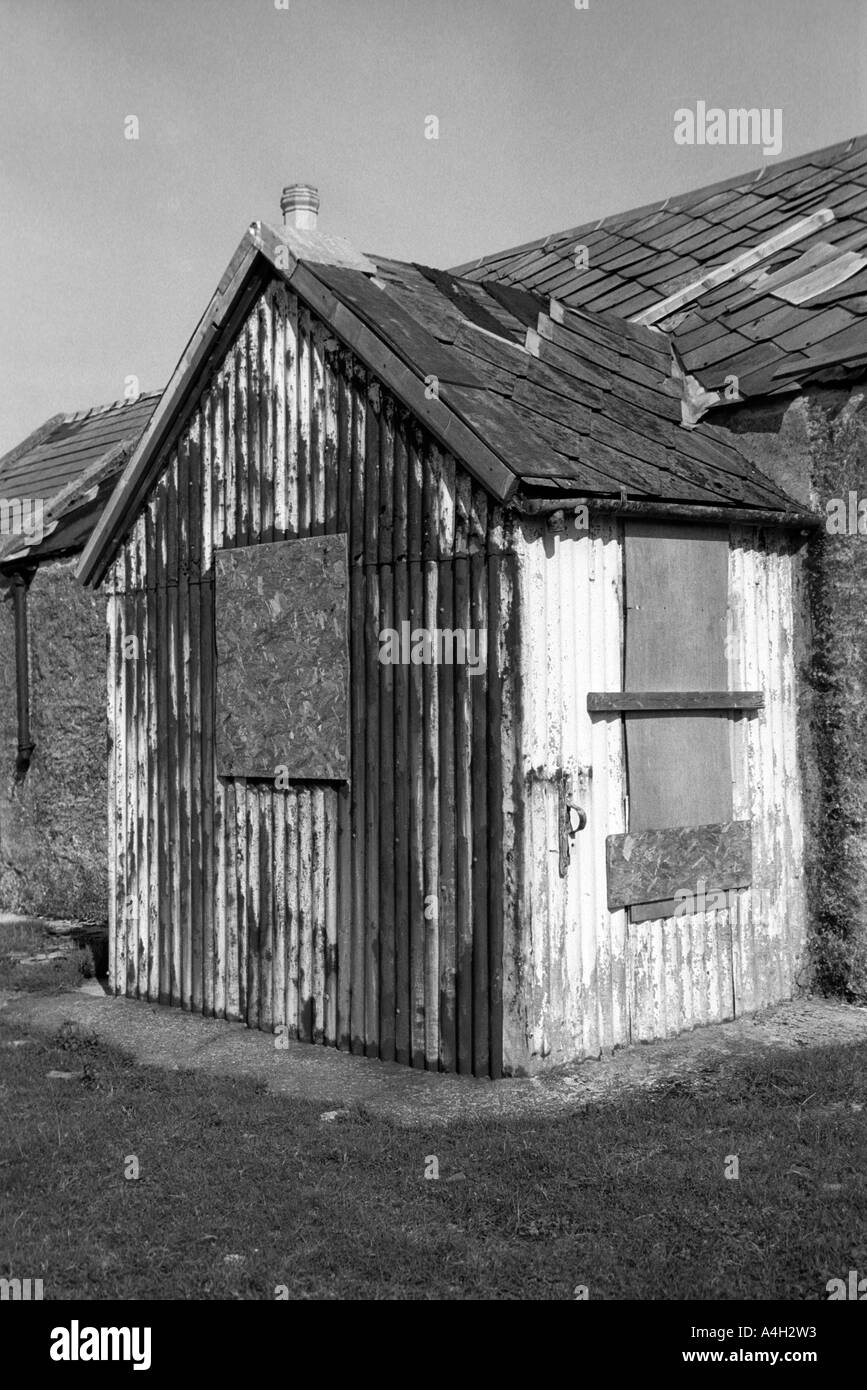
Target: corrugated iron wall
(770,928)
(565,967)
(366,915)
(579,978)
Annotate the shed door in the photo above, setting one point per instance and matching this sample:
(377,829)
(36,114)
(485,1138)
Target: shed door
(681,836)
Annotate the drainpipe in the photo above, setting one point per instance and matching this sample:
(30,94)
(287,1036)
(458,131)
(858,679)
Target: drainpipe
(20,585)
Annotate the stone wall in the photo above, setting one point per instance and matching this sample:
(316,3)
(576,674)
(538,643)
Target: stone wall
(816,447)
(53,824)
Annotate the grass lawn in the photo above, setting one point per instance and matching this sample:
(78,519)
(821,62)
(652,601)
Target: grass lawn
(240,1191)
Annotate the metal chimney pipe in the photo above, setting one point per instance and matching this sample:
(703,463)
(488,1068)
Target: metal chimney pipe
(300,207)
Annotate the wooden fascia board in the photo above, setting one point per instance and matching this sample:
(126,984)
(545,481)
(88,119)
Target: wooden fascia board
(442,420)
(96,555)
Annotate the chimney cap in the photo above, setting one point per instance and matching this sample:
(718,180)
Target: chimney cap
(300,197)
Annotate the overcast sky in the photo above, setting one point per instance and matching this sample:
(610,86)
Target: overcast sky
(548,115)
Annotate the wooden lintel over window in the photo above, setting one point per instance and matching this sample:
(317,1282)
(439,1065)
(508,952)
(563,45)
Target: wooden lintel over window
(603,701)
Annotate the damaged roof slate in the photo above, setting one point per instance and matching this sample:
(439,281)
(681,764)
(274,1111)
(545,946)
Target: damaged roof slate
(585,407)
(798,317)
(579,403)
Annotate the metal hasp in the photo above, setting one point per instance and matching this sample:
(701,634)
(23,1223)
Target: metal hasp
(568,806)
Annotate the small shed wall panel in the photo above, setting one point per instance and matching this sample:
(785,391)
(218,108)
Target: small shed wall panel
(342,913)
(578,977)
(565,964)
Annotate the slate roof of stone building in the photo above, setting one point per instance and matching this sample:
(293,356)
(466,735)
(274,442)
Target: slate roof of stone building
(792,313)
(60,450)
(70,465)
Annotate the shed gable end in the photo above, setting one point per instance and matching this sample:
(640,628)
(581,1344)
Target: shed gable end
(362,910)
(272,449)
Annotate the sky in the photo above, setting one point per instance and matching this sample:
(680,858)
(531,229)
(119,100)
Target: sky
(549,115)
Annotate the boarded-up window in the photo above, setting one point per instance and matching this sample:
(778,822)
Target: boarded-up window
(676,591)
(282,660)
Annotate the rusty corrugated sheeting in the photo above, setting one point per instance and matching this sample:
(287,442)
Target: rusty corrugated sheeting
(770,928)
(366,915)
(565,968)
(579,978)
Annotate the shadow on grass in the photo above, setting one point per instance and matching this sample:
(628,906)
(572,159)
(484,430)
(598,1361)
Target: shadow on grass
(240,1192)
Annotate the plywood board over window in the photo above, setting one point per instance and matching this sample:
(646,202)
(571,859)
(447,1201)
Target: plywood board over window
(679,764)
(282,660)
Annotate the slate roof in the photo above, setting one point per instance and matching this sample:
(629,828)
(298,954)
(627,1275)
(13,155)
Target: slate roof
(582,407)
(61,449)
(529,395)
(71,464)
(797,316)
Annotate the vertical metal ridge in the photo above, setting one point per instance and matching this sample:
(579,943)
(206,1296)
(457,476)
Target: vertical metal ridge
(388,926)
(440,927)
(358,581)
(423,959)
(484,810)
(371,668)
(405,927)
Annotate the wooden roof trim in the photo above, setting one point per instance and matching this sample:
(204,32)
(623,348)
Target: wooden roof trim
(94,560)
(442,420)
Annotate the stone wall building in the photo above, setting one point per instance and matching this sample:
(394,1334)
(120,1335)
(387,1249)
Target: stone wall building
(52,655)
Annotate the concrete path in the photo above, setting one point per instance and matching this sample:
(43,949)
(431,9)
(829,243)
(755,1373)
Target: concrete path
(162,1037)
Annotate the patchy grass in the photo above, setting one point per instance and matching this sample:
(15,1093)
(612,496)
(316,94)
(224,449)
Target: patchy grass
(64,972)
(240,1191)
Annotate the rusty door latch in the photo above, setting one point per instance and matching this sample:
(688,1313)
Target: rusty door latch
(570,811)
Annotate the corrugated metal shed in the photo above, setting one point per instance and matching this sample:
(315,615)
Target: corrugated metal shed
(425,421)
(788,319)
(347,913)
(557,404)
